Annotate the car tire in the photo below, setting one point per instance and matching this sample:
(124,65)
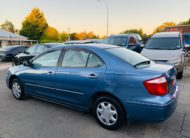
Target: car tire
(179,75)
(17,89)
(109,113)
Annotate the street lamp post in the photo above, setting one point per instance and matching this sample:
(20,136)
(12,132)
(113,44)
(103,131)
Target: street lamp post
(107,14)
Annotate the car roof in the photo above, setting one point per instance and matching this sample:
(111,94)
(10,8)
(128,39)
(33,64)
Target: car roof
(123,35)
(82,41)
(88,46)
(166,34)
(48,44)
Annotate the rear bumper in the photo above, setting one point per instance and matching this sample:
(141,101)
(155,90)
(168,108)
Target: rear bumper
(152,112)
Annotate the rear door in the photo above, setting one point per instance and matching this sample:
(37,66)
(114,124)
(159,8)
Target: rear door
(78,76)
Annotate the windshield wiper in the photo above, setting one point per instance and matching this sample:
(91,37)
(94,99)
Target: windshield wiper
(143,62)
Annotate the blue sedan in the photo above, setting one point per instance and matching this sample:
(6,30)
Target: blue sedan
(114,83)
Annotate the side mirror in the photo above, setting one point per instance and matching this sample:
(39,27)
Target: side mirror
(142,45)
(27,63)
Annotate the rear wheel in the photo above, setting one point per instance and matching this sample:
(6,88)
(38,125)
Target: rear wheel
(17,89)
(108,113)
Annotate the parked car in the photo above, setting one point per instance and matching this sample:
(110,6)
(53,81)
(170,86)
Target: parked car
(31,52)
(8,52)
(187,42)
(88,41)
(130,41)
(166,47)
(113,82)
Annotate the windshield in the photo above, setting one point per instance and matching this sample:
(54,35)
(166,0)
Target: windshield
(129,56)
(31,49)
(163,43)
(118,41)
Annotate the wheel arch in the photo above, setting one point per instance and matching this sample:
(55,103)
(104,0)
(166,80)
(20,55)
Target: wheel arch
(104,93)
(11,79)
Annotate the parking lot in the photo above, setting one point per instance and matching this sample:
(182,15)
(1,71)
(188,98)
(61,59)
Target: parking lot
(33,118)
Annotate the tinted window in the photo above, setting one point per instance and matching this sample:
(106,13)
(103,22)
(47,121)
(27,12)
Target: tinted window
(119,41)
(164,43)
(49,59)
(129,56)
(75,58)
(94,61)
(31,49)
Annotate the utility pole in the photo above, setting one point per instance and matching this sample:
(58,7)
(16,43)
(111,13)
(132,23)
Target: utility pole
(107,14)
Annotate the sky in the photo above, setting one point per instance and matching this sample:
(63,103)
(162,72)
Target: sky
(90,15)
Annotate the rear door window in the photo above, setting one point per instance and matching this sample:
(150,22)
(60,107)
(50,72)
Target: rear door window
(75,59)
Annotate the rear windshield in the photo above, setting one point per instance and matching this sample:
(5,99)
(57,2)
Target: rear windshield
(129,56)
(164,43)
(118,41)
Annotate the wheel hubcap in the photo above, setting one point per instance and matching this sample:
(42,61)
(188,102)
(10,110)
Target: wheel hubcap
(107,113)
(16,89)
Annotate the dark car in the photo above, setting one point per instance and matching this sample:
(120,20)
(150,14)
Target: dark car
(130,41)
(32,52)
(8,52)
(113,82)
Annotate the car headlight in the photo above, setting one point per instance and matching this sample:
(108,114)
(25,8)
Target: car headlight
(175,61)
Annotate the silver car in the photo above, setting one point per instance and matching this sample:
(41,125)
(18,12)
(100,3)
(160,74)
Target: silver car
(167,48)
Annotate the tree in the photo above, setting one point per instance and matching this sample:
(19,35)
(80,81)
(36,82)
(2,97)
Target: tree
(34,25)
(162,27)
(50,34)
(185,22)
(8,26)
(136,31)
(74,36)
(63,36)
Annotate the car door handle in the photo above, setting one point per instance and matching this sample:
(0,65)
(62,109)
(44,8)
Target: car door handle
(92,76)
(50,73)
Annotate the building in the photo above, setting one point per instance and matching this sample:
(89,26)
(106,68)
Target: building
(185,29)
(8,39)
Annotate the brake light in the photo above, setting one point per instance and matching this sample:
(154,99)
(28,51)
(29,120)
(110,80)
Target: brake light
(157,86)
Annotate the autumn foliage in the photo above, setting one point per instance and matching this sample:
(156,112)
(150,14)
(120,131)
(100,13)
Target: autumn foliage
(34,25)
(162,27)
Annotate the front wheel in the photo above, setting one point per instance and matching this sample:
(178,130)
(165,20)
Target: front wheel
(109,113)
(17,89)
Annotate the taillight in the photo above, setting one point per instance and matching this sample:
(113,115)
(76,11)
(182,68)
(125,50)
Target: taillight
(157,86)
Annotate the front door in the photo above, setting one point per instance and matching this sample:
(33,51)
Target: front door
(40,78)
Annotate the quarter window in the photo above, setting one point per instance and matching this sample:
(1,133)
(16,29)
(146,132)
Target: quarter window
(94,61)
(75,58)
(49,59)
